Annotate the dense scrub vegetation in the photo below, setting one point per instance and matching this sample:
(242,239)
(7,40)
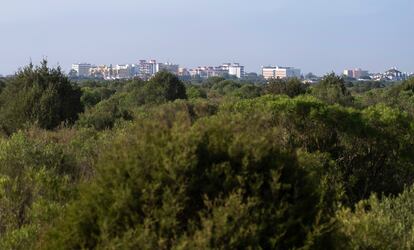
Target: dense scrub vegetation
(38,95)
(222,164)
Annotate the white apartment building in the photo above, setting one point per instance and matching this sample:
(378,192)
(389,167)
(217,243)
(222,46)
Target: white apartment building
(82,69)
(208,71)
(203,72)
(271,72)
(235,69)
(124,71)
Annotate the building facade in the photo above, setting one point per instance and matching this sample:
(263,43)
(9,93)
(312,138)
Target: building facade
(81,69)
(236,69)
(356,73)
(101,71)
(394,74)
(147,69)
(271,72)
(126,71)
(226,69)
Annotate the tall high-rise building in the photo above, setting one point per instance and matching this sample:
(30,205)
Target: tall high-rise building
(81,69)
(271,72)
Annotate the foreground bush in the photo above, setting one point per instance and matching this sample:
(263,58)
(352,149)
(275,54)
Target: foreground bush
(35,182)
(233,172)
(379,224)
(217,182)
(373,149)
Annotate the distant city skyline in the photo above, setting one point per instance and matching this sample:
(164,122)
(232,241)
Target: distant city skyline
(318,36)
(259,72)
(146,69)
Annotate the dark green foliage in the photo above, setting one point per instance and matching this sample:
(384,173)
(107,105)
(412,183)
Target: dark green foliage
(144,168)
(253,78)
(163,87)
(331,89)
(194,92)
(221,182)
(167,85)
(378,224)
(92,84)
(35,181)
(291,87)
(247,91)
(225,87)
(105,114)
(372,149)
(400,96)
(41,96)
(211,81)
(2,85)
(92,96)
(362,87)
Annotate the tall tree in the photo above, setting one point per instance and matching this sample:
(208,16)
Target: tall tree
(163,87)
(39,95)
(332,89)
(172,88)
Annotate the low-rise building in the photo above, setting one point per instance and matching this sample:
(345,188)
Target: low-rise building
(81,69)
(394,74)
(226,69)
(206,72)
(356,73)
(125,71)
(276,72)
(235,69)
(101,71)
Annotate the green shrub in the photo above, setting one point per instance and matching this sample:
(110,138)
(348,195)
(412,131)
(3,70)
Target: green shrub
(331,89)
(291,87)
(105,114)
(35,182)
(378,224)
(247,91)
(92,96)
(195,92)
(215,182)
(373,149)
(41,96)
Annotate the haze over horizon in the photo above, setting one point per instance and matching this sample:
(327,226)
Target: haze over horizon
(314,35)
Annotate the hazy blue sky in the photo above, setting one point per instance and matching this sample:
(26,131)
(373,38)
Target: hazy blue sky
(315,35)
